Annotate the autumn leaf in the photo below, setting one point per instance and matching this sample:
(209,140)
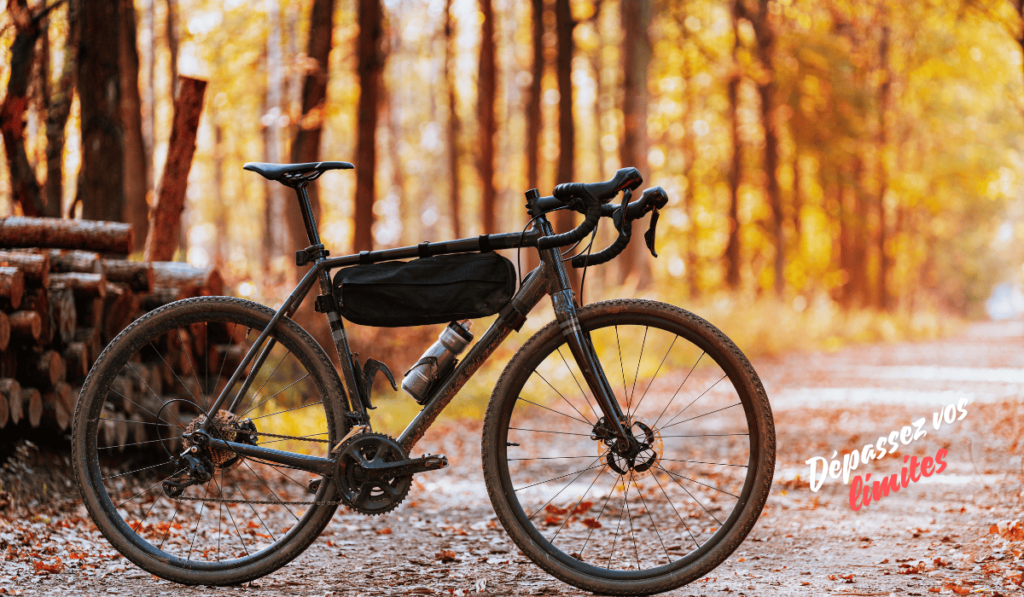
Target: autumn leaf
(553,509)
(583,507)
(54,568)
(552,520)
(935,590)
(385,531)
(445,555)
(591,523)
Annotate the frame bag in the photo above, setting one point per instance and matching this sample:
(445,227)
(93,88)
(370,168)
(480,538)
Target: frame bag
(425,291)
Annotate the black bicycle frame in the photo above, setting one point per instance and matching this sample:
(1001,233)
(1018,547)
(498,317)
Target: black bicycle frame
(549,278)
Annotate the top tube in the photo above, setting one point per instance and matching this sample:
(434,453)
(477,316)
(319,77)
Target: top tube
(484,242)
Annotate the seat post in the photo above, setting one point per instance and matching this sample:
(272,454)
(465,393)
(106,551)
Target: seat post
(307,215)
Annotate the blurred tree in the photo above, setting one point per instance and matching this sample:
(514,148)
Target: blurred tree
(306,147)
(370,67)
(452,133)
(136,174)
(564,25)
(101,180)
(733,249)
(881,151)
(172,42)
(487,88)
(636,57)
(276,235)
(57,115)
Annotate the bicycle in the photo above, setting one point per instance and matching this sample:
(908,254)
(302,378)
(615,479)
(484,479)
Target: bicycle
(629,492)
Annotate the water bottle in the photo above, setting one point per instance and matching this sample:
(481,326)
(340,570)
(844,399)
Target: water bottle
(438,359)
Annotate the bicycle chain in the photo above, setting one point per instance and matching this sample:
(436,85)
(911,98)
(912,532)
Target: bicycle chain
(270,502)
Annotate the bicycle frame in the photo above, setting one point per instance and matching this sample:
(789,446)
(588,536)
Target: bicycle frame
(549,278)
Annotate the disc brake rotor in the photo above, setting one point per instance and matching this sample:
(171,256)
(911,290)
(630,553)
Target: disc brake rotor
(645,461)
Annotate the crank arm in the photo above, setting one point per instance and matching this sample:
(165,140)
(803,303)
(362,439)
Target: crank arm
(402,468)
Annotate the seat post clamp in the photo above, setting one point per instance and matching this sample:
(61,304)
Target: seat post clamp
(310,254)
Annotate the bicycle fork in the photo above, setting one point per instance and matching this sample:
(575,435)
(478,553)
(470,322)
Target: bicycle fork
(582,347)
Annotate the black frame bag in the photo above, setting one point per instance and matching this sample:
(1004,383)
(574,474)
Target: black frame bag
(425,291)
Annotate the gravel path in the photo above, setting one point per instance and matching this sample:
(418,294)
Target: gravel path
(935,536)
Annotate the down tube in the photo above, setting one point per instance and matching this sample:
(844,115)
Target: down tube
(533,289)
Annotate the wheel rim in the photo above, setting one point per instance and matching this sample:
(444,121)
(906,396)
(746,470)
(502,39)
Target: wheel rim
(146,380)
(684,396)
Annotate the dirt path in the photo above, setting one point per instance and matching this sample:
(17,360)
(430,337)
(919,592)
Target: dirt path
(932,537)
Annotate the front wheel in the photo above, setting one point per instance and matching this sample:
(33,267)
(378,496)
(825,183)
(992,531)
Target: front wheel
(662,515)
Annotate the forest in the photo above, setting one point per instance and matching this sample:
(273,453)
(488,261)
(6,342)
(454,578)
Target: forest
(861,155)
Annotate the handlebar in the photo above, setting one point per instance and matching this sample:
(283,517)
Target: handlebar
(592,196)
(652,199)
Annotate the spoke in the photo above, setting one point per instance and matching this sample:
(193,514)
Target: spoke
(599,514)
(644,502)
(618,526)
(275,395)
(707,435)
(267,380)
(224,359)
(220,494)
(578,385)
(555,411)
(278,498)
(674,475)
(546,431)
(560,395)
(246,498)
(637,374)
(692,403)
(233,523)
(141,423)
(703,415)
(629,517)
(152,441)
(174,514)
(171,369)
(676,393)
(146,490)
(303,486)
(289,410)
(685,526)
(193,367)
(155,416)
(195,531)
(145,516)
(573,509)
(622,369)
(703,462)
(550,457)
(636,408)
(580,472)
(145,468)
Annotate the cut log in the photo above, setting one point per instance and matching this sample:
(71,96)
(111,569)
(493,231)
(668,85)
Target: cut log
(43,369)
(188,279)
(91,338)
(160,296)
(138,428)
(119,309)
(76,360)
(122,394)
(59,233)
(36,300)
(34,266)
(12,286)
(32,402)
(55,406)
(83,285)
(5,411)
(138,275)
(165,217)
(5,331)
(8,363)
(64,261)
(26,326)
(90,311)
(11,389)
(62,313)
(76,395)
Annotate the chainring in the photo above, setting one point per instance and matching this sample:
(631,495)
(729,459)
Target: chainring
(372,497)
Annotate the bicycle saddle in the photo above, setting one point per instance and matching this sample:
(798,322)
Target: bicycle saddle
(279,171)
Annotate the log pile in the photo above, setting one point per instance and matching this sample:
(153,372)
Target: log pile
(66,290)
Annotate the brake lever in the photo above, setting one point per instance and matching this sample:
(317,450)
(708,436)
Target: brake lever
(652,230)
(617,217)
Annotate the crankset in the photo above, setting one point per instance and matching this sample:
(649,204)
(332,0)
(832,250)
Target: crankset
(375,473)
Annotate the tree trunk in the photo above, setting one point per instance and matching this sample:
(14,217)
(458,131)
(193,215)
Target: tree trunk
(277,230)
(220,209)
(636,56)
(172,43)
(149,98)
(370,71)
(733,249)
(25,188)
(454,185)
(487,88)
(165,219)
(136,175)
(306,147)
(57,117)
(564,25)
(101,181)
(884,101)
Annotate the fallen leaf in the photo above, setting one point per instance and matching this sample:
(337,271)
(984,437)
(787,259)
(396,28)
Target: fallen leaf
(385,531)
(445,555)
(553,509)
(54,568)
(591,523)
(583,507)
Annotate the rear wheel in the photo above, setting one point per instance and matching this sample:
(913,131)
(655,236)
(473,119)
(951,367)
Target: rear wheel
(155,382)
(671,509)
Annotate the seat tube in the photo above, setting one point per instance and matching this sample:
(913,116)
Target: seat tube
(579,341)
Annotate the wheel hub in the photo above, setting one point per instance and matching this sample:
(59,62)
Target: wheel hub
(225,426)
(640,455)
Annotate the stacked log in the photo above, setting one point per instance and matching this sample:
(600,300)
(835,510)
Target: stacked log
(67,288)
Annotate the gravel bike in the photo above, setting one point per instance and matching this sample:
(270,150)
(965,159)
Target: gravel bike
(628,446)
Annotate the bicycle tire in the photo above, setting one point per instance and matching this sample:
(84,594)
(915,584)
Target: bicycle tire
(567,568)
(85,438)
